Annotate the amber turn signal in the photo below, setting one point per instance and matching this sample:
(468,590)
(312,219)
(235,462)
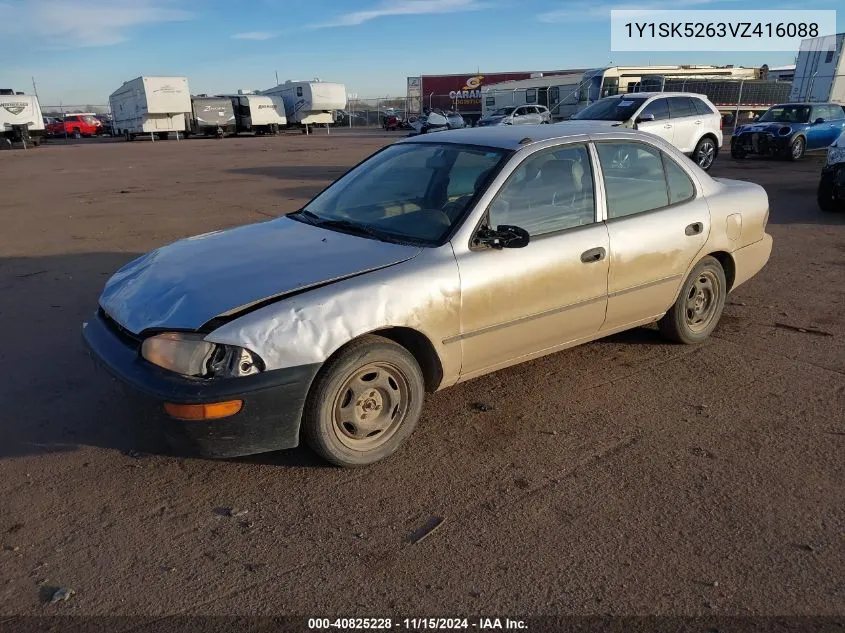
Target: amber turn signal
(210,411)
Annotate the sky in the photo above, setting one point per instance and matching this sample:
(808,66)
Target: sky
(79,51)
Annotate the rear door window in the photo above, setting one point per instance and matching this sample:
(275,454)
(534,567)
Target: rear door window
(681,107)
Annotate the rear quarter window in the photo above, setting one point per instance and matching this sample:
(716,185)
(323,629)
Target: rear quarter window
(701,107)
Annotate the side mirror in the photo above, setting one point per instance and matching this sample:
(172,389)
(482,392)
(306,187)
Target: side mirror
(503,236)
(645,117)
(817,121)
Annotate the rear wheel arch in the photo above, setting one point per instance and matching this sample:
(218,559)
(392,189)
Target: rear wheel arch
(728,265)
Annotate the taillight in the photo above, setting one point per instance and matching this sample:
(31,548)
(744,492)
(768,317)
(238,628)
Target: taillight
(721,123)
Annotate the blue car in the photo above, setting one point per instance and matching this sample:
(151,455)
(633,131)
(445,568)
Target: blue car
(788,130)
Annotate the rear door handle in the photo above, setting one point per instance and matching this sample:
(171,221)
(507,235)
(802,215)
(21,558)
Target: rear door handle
(593,255)
(694,229)
(667,126)
(698,122)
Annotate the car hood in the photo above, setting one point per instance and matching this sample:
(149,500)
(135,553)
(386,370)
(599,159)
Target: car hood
(186,284)
(772,128)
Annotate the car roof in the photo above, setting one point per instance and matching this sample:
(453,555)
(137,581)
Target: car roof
(647,95)
(514,136)
(804,103)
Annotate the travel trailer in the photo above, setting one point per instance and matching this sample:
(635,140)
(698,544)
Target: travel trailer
(258,114)
(151,105)
(21,120)
(553,92)
(210,116)
(310,102)
(597,83)
(820,70)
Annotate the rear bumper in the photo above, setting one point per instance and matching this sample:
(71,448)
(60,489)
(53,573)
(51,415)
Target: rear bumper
(269,419)
(749,260)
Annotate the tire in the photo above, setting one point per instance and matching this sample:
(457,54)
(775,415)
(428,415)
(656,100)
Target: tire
(797,149)
(76,134)
(127,136)
(696,312)
(737,153)
(826,195)
(370,377)
(705,153)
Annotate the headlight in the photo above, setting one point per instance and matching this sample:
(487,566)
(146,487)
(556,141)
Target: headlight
(189,355)
(835,155)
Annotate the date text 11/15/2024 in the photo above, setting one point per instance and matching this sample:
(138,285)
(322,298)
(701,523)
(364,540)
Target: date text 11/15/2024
(416,624)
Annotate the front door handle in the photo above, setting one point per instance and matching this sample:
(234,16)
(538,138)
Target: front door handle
(694,229)
(667,126)
(593,255)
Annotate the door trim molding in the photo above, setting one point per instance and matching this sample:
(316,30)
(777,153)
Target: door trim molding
(523,319)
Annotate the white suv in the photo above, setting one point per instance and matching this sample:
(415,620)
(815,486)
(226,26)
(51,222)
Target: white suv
(687,120)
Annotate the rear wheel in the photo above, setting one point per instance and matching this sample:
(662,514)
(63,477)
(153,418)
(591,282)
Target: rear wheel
(796,149)
(364,403)
(76,133)
(696,312)
(705,153)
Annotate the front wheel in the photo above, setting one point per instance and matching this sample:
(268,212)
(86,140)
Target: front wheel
(76,134)
(796,149)
(738,153)
(826,194)
(705,153)
(364,403)
(696,312)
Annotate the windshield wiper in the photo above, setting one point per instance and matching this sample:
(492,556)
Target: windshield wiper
(312,218)
(353,227)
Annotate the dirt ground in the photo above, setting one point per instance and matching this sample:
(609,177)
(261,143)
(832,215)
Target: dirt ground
(627,476)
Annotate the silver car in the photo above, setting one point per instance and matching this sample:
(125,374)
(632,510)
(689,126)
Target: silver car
(517,115)
(438,259)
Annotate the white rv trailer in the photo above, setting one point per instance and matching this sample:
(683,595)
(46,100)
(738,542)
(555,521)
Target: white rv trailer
(257,113)
(820,70)
(150,105)
(553,91)
(310,102)
(20,118)
(604,82)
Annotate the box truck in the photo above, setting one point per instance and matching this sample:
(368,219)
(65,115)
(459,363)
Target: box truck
(310,102)
(256,113)
(210,116)
(820,70)
(21,120)
(150,105)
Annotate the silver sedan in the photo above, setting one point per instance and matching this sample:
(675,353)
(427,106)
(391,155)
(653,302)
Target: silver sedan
(438,259)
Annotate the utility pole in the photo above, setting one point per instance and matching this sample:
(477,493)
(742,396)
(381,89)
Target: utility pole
(35,90)
(277,77)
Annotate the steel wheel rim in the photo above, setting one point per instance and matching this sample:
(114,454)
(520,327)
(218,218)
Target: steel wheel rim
(706,154)
(370,406)
(797,148)
(701,301)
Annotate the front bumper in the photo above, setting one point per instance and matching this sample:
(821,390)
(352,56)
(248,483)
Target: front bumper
(268,420)
(762,143)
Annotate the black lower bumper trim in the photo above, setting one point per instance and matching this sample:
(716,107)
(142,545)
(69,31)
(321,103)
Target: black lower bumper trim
(269,419)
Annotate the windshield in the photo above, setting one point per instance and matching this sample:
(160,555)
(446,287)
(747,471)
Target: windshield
(408,192)
(503,111)
(611,109)
(786,114)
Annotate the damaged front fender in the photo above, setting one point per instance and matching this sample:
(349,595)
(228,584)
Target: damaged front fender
(422,294)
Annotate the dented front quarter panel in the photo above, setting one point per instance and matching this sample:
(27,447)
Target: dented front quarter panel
(422,294)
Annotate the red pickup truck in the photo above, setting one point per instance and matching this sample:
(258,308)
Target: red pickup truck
(76,126)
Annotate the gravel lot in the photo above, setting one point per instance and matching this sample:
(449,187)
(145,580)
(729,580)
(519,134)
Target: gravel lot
(627,476)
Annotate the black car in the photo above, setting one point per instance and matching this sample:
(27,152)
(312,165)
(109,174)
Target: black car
(831,192)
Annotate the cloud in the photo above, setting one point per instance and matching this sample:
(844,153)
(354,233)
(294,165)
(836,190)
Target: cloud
(587,11)
(403,7)
(84,23)
(258,36)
